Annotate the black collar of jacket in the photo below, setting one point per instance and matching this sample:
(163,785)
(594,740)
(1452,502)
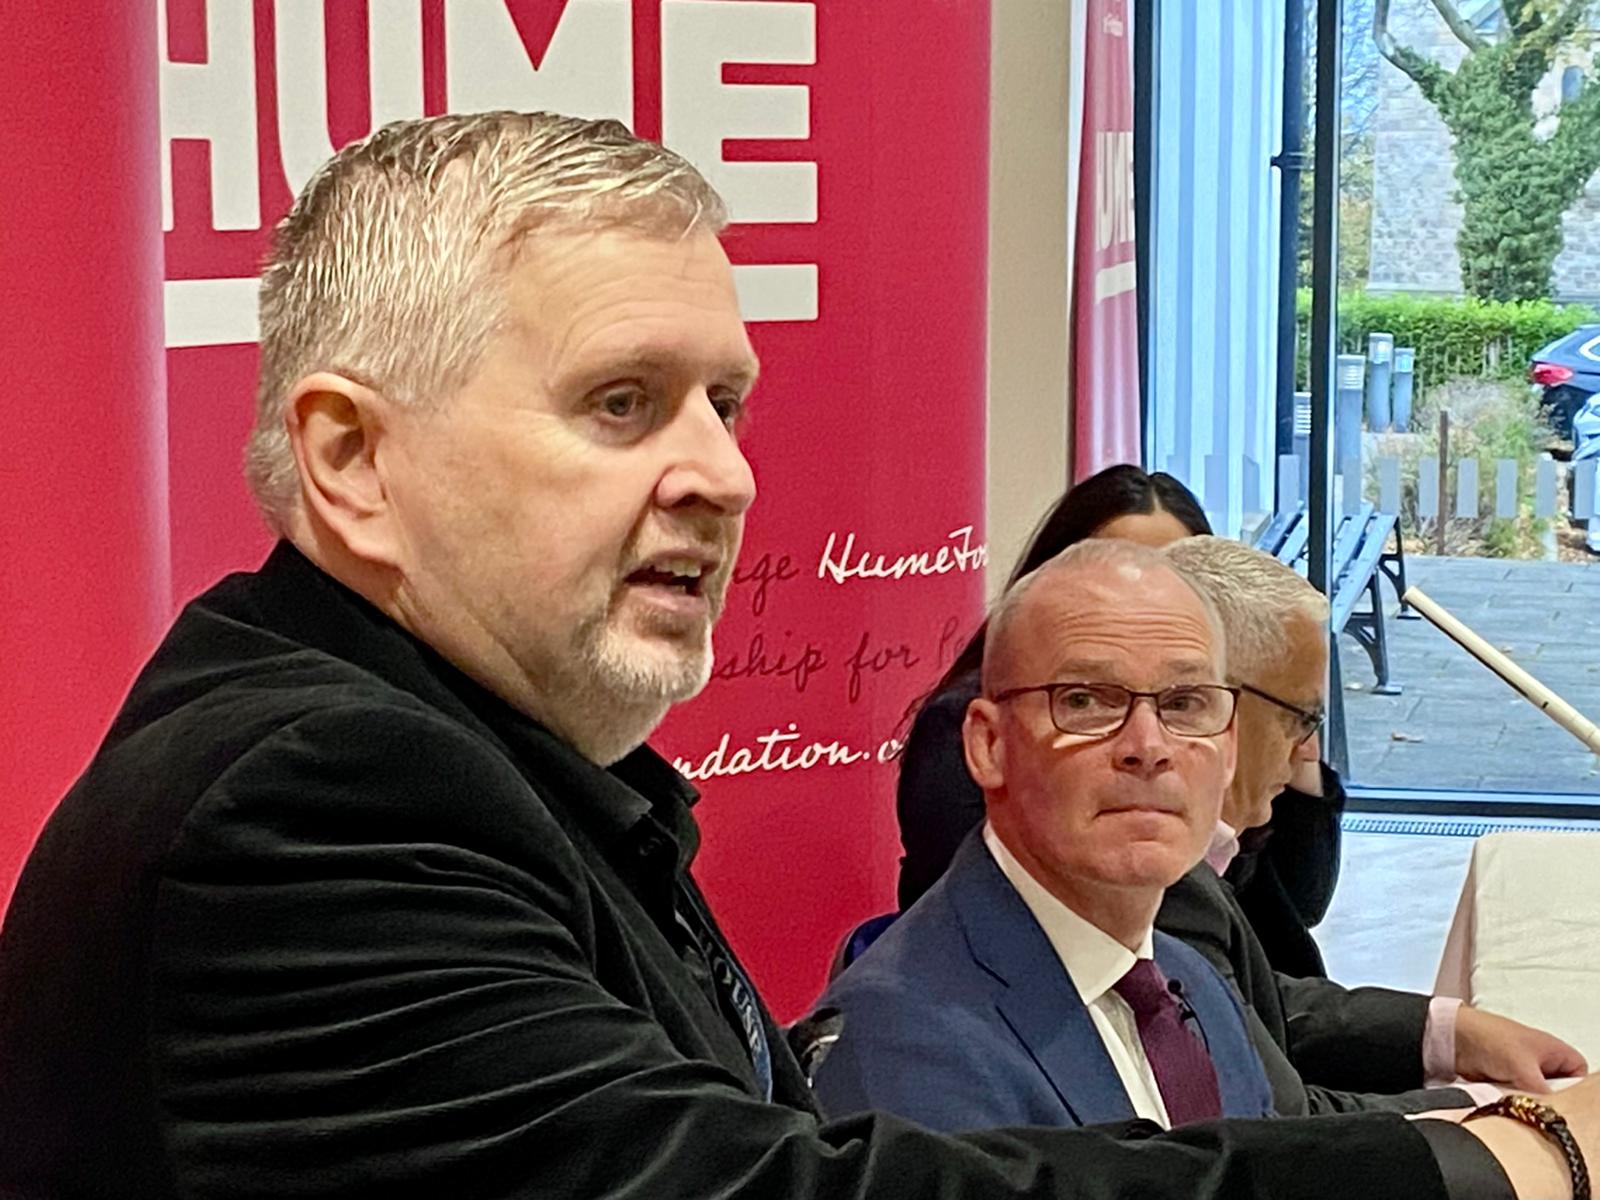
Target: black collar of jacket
(295,599)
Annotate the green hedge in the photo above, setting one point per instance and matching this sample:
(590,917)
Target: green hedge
(1452,337)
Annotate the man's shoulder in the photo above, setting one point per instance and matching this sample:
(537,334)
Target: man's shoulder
(917,963)
(943,947)
(200,711)
(1198,897)
(234,727)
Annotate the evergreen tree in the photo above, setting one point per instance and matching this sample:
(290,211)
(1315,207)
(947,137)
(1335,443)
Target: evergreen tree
(1513,184)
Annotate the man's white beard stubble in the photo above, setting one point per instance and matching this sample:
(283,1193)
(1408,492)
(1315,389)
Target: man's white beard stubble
(626,685)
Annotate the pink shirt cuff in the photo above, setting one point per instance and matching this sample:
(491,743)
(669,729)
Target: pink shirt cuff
(1439,1041)
(1481,1093)
(1439,1052)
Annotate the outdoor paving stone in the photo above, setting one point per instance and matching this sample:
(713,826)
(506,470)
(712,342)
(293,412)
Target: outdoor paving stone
(1475,732)
(1454,698)
(1547,744)
(1458,568)
(1514,609)
(1557,672)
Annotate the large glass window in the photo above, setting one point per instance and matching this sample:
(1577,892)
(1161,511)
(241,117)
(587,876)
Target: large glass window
(1460,434)
(1469,258)
(1463,429)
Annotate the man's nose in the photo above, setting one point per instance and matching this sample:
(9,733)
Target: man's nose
(708,466)
(1143,745)
(1309,750)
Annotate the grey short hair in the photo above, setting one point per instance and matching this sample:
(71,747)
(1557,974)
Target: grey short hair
(1258,597)
(1090,554)
(388,267)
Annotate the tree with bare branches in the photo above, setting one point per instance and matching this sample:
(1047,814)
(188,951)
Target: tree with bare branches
(1513,184)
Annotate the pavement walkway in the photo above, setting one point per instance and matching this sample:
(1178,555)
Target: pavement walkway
(1456,725)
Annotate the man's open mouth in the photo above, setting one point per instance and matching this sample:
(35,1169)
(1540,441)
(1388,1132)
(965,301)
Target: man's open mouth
(684,575)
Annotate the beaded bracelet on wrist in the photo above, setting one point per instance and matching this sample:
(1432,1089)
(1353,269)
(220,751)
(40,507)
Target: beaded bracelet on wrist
(1551,1124)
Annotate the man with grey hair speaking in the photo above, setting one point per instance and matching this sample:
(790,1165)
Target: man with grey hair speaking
(1378,1046)
(373,888)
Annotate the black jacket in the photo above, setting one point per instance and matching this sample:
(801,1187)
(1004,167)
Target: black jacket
(1285,873)
(1326,1048)
(324,919)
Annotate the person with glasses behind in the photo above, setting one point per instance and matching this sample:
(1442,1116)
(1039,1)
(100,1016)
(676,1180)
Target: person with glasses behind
(1285,873)
(1029,984)
(1366,1039)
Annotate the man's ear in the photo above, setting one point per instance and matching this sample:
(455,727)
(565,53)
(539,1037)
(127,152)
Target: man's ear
(984,744)
(336,427)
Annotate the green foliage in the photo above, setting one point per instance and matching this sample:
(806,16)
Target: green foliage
(1453,338)
(1355,221)
(1491,420)
(1513,184)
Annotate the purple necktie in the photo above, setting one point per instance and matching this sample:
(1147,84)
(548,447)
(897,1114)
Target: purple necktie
(1182,1067)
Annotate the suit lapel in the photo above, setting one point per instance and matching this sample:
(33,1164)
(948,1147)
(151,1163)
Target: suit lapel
(1033,993)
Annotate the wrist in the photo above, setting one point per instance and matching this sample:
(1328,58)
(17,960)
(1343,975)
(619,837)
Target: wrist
(1536,1168)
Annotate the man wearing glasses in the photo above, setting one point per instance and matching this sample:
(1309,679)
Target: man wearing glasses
(1029,984)
(1314,1035)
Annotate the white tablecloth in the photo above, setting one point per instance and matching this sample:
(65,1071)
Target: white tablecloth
(1525,940)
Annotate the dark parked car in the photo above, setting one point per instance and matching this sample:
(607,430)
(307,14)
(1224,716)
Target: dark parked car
(1568,370)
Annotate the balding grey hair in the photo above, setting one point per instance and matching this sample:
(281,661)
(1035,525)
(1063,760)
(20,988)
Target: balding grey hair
(1088,555)
(389,268)
(1259,598)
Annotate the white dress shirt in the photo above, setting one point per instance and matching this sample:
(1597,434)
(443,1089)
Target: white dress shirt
(1094,961)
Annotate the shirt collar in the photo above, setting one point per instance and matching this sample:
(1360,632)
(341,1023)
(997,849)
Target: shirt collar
(611,802)
(1094,960)
(1224,847)
(305,603)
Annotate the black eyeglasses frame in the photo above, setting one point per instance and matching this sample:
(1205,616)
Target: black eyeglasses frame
(1133,699)
(1311,720)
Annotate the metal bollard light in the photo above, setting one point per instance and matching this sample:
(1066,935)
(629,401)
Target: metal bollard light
(1405,376)
(1348,376)
(1380,358)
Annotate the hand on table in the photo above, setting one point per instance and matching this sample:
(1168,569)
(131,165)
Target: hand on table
(1499,1050)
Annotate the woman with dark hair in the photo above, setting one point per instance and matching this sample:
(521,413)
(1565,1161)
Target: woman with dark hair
(938,804)
(1120,502)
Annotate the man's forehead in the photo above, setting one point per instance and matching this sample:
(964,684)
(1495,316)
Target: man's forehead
(625,301)
(1089,594)
(1300,677)
(1094,615)
(647,357)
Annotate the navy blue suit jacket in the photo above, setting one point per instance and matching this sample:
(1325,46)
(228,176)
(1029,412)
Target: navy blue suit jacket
(961,1016)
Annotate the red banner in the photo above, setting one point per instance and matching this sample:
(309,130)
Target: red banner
(1105,275)
(851,143)
(84,571)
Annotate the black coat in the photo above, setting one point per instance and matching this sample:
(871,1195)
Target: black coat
(325,919)
(1326,1048)
(1286,871)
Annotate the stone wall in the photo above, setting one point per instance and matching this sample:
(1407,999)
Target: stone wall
(1414,214)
